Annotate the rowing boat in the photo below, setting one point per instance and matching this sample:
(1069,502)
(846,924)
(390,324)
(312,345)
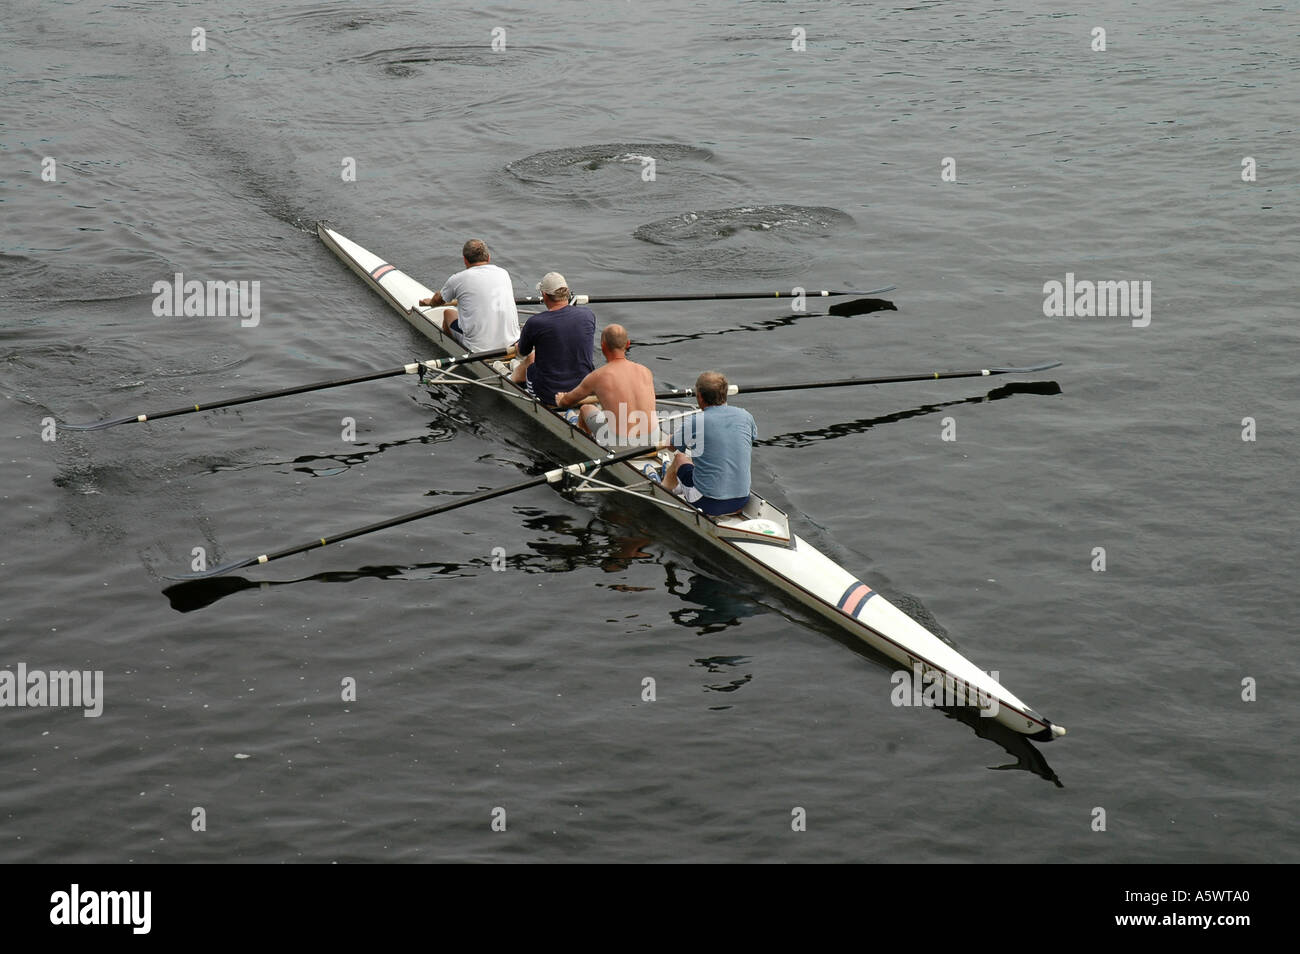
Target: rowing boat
(759,538)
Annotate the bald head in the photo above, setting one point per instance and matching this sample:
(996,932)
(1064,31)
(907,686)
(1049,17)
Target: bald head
(475,252)
(711,387)
(614,338)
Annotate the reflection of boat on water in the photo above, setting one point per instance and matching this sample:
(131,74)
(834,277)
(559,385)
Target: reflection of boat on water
(722,605)
(717,605)
(1027,755)
(711,604)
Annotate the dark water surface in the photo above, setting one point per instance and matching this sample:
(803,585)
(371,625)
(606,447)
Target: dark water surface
(521,690)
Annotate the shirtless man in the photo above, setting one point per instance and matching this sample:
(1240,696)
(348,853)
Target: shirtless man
(626,393)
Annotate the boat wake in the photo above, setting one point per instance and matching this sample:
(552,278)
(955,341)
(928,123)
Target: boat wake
(793,222)
(579,161)
(610,174)
(763,241)
(411,61)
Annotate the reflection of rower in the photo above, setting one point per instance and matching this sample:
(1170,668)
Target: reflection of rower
(720,440)
(556,342)
(625,390)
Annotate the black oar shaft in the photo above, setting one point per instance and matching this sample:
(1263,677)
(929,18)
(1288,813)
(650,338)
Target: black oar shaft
(551,476)
(411,368)
(851,382)
(281,392)
(405,518)
(709,296)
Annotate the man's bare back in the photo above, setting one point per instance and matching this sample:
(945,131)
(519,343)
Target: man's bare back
(625,390)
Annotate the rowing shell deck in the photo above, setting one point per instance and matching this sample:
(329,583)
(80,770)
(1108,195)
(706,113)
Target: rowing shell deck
(759,538)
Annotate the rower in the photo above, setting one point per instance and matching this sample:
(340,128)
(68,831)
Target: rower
(720,441)
(486,318)
(625,391)
(556,344)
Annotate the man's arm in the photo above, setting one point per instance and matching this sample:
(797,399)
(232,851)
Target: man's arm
(677,434)
(524,346)
(446,295)
(585,389)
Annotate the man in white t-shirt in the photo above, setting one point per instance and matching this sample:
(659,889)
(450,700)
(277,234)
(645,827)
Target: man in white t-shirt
(486,318)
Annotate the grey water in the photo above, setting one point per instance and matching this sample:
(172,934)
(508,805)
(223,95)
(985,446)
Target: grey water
(1115,537)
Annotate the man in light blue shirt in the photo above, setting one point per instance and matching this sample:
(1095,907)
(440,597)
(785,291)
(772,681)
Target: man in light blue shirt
(720,441)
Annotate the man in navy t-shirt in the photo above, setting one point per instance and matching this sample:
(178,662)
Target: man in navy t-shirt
(557,343)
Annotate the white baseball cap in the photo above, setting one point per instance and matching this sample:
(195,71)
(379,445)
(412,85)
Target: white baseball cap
(551,283)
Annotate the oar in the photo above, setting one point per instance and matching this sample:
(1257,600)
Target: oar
(417,366)
(849,382)
(714,296)
(798,439)
(550,477)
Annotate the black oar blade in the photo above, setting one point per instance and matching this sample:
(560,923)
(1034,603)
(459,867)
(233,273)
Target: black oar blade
(197,594)
(100,425)
(1025,387)
(861,306)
